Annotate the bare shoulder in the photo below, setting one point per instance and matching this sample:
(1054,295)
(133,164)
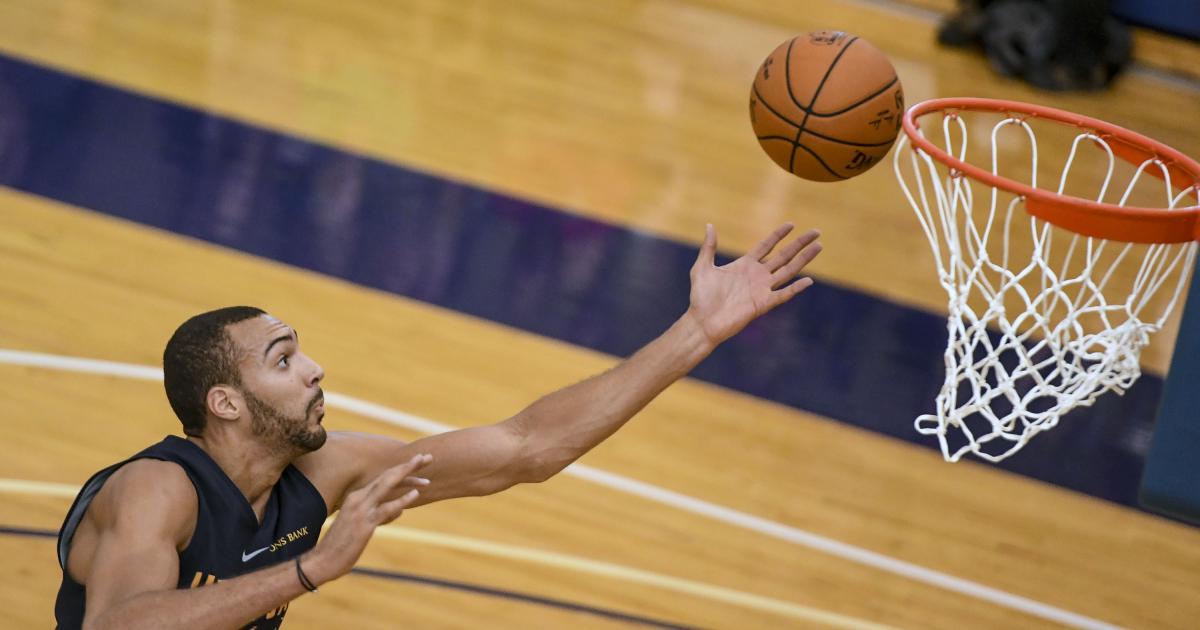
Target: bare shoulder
(153,494)
(145,500)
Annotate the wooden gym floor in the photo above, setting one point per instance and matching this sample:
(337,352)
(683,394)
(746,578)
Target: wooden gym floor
(528,132)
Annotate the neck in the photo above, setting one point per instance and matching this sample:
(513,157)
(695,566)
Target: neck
(252,467)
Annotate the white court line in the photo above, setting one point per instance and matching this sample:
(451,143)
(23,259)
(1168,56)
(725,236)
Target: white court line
(637,488)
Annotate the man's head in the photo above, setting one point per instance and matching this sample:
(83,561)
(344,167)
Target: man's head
(243,368)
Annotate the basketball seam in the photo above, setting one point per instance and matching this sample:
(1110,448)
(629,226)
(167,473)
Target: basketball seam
(792,157)
(817,114)
(787,80)
(826,138)
(847,142)
(798,145)
(895,79)
(821,85)
(830,139)
(787,72)
(816,94)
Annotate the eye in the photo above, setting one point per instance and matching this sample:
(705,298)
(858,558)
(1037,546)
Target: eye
(283,361)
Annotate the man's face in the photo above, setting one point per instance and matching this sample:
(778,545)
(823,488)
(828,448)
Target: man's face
(281,385)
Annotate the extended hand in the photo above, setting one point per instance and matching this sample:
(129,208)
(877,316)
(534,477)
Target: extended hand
(724,299)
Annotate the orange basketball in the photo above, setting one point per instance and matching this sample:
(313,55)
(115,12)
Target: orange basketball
(826,105)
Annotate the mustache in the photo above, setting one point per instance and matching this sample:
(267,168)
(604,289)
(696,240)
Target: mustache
(318,398)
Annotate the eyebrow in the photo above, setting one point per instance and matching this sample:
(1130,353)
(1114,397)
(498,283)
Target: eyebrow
(289,337)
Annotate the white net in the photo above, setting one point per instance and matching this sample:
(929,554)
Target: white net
(1041,320)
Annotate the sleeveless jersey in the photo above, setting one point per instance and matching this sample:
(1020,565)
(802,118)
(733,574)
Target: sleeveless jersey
(228,540)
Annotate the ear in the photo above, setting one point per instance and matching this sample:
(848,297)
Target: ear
(225,402)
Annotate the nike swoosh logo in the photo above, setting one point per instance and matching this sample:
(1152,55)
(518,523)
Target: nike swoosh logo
(247,556)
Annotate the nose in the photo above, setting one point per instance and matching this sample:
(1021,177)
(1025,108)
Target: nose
(316,373)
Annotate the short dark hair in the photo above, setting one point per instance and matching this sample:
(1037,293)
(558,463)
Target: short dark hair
(198,356)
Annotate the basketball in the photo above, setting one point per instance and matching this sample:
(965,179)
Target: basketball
(826,105)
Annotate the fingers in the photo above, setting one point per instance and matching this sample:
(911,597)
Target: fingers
(789,252)
(793,267)
(765,246)
(386,482)
(800,260)
(790,291)
(391,510)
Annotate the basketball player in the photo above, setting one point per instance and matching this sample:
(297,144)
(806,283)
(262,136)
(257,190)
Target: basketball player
(237,506)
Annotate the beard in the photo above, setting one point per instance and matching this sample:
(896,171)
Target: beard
(293,433)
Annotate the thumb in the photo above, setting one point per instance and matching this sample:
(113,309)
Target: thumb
(708,251)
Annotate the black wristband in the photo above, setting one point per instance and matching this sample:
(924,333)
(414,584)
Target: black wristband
(304,581)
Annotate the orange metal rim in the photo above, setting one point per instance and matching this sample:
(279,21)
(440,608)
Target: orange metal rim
(1082,216)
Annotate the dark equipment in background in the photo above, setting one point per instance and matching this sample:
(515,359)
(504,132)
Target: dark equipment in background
(1052,44)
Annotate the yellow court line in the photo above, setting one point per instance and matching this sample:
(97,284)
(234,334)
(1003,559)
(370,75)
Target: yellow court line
(552,559)
(40,488)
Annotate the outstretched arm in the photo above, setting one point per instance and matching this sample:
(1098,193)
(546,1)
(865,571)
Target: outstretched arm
(559,428)
(562,426)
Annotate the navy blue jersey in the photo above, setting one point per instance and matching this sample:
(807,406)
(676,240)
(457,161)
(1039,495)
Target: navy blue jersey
(228,539)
